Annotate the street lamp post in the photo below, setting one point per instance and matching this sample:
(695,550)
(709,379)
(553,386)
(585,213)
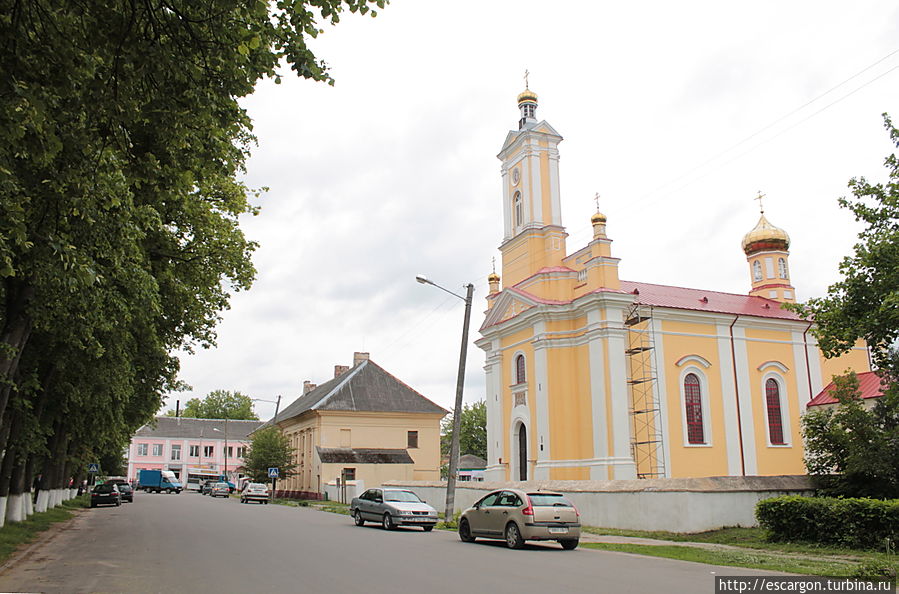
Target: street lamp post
(457,412)
(226,446)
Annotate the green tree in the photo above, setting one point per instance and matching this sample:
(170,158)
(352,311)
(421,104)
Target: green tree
(852,451)
(865,303)
(269,448)
(120,200)
(472,431)
(219,404)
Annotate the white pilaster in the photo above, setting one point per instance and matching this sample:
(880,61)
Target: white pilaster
(600,424)
(728,402)
(540,389)
(621,435)
(745,391)
(555,199)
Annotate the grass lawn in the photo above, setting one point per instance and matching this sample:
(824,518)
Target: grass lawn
(15,534)
(759,553)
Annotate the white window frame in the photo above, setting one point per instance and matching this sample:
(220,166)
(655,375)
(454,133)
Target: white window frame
(208,451)
(706,408)
(785,419)
(176,451)
(142,449)
(158,449)
(194,451)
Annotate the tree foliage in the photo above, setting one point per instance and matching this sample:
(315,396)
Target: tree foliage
(865,303)
(269,448)
(851,450)
(472,431)
(120,202)
(219,404)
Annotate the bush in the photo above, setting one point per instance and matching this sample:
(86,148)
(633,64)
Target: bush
(854,523)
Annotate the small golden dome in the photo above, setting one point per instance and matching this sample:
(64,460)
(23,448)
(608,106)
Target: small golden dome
(765,236)
(493,278)
(598,217)
(527,95)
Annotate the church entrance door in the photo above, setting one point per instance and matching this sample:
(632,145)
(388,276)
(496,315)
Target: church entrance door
(522,453)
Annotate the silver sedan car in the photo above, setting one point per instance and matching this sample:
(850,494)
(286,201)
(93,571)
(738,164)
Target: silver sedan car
(392,508)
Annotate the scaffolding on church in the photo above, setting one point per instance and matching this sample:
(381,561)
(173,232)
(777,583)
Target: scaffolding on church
(647,431)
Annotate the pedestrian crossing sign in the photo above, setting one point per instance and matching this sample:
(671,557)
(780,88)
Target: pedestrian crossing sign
(272,473)
(93,467)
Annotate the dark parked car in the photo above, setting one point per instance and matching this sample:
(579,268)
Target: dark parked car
(392,508)
(126,491)
(106,494)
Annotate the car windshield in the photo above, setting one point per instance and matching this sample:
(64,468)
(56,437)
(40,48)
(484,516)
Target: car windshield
(124,487)
(406,496)
(221,485)
(103,488)
(549,500)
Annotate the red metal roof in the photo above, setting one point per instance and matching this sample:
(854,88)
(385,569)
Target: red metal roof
(703,300)
(869,384)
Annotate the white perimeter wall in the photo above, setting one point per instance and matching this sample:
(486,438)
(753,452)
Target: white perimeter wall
(674,505)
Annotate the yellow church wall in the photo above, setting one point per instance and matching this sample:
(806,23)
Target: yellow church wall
(681,339)
(763,346)
(569,404)
(856,359)
(511,345)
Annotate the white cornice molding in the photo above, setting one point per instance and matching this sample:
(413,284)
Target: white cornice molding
(693,359)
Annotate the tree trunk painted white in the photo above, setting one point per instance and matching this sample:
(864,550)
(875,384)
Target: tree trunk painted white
(14,508)
(43,497)
(28,502)
(3,501)
(73,493)
(57,497)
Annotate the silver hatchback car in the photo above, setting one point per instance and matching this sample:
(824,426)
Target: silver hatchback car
(392,508)
(517,516)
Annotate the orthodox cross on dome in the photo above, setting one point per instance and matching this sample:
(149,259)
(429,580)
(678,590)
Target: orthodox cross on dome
(759,198)
(494,264)
(596,198)
(526,73)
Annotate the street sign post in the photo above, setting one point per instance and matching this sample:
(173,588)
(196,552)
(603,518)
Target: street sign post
(273,474)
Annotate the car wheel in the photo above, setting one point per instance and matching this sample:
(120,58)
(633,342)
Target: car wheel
(568,545)
(118,503)
(465,531)
(513,536)
(168,491)
(427,528)
(357,517)
(387,522)
(93,504)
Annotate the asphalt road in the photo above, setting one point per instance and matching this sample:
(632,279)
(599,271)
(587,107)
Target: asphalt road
(192,543)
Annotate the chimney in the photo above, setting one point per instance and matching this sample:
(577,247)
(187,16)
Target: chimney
(340,370)
(359,358)
(308,387)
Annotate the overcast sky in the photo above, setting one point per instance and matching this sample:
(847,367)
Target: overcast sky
(677,113)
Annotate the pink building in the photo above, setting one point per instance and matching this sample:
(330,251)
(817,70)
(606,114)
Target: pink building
(194,449)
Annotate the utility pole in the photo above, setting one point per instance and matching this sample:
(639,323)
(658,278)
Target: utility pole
(457,413)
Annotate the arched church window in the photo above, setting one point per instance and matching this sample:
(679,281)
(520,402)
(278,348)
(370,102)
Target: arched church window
(520,376)
(693,405)
(775,417)
(782,268)
(756,271)
(516,203)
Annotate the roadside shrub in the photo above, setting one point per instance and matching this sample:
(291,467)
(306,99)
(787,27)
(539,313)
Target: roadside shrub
(854,523)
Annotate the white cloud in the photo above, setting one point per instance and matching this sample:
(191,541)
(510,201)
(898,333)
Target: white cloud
(392,171)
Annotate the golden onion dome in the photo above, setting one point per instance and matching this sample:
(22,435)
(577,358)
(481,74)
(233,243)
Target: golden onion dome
(493,277)
(765,236)
(598,217)
(527,95)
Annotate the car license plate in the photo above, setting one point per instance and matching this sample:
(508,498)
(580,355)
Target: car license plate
(414,519)
(558,530)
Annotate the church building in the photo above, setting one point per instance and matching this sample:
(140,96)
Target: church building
(594,377)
